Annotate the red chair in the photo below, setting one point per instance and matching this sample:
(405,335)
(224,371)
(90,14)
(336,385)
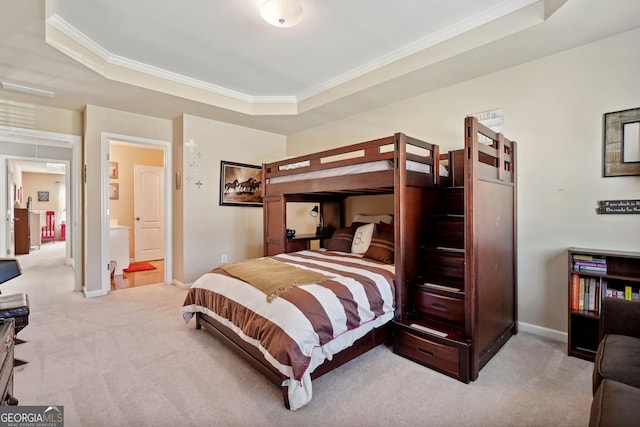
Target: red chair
(49,227)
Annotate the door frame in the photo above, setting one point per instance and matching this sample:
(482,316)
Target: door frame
(106,138)
(73,184)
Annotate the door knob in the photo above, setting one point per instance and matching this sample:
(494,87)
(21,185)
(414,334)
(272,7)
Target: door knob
(137,218)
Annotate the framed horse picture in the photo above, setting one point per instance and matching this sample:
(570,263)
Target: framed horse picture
(240,184)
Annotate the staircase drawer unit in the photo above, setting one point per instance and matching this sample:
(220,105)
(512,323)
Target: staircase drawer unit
(441,306)
(444,263)
(446,356)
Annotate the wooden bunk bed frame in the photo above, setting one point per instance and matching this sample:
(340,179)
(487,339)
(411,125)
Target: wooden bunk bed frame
(409,188)
(414,193)
(467,288)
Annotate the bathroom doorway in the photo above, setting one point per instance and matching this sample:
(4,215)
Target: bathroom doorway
(125,155)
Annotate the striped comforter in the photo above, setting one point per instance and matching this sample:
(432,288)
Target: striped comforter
(308,324)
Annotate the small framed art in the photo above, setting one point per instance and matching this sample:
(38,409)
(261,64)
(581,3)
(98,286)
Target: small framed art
(113,170)
(114,191)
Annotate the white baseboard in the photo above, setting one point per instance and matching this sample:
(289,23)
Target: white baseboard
(181,285)
(542,331)
(93,294)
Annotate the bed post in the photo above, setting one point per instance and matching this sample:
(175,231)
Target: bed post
(400,182)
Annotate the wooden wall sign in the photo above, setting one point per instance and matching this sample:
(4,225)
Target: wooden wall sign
(618,207)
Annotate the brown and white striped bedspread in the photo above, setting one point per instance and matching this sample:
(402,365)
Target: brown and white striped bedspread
(297,331)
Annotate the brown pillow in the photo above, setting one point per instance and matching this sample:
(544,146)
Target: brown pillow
(341,240)
(381,246)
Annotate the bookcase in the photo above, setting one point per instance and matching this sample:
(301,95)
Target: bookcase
(593,275)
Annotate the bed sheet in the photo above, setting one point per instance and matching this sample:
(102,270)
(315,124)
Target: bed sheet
(379,165)
(307,325)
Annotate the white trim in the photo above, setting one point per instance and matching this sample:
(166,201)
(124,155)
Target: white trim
(73,185)
(81,39)
(93,294)
(543,332)
(181,285)
(30,136)
(58,23)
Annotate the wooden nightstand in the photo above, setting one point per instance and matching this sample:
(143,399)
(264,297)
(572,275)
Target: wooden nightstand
(301,242)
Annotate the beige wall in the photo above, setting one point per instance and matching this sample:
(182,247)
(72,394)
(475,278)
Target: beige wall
(126,156)
(48,119)
(177,251)
(211,230)
(554,108)
(99,120)
(32,183)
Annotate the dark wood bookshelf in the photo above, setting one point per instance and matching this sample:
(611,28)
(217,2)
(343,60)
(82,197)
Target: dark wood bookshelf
(622,271)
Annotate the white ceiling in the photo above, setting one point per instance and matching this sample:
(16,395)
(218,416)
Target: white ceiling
(40,167)
(217,59)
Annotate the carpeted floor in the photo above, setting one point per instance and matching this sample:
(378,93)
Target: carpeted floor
(128,359)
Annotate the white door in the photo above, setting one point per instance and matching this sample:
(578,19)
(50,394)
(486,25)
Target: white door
(148,211)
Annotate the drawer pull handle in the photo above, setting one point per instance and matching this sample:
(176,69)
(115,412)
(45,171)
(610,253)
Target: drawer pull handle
(439,307)
(426,352)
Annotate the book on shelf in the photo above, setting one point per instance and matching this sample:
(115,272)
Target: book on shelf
(591,266)
(592,295)
(590,258)
(581,294)
(626,293)
(589,263)
(587,292)
(575,289)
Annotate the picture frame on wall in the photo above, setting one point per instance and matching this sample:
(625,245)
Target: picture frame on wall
(43,196)
(113,170)
(240,184)
(114,191)
(621,145)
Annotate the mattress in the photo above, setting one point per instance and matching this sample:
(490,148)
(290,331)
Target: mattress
(299,330)
(380,165)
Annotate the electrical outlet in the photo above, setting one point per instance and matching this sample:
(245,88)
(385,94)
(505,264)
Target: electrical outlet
(224,259)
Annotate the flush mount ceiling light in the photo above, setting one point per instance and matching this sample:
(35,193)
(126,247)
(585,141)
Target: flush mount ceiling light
(26,89)
(281,13)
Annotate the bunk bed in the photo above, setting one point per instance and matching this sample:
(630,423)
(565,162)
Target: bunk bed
(402,167)
(462,320)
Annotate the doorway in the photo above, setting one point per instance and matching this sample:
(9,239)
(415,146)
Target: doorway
(123,155)
(41,147)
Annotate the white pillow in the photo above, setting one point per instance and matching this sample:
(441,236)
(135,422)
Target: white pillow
(362,239)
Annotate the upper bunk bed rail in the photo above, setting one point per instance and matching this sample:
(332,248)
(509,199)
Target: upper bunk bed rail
(495,153)
(366,166)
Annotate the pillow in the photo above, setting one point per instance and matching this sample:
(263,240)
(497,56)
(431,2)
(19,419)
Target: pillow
(388,219)
(381,246)
(362,238)
(341,240)
(386,227)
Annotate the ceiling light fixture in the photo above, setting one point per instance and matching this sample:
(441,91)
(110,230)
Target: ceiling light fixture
(281,13)
(28,90)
